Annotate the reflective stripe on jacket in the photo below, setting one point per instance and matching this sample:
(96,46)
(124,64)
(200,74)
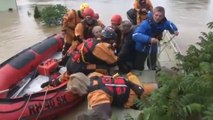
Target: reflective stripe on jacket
(117,88)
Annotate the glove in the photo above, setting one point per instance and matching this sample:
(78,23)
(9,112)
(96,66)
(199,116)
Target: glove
(55,82)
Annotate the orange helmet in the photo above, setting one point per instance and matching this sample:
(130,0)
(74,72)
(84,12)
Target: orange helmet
(88,12)
(116,19)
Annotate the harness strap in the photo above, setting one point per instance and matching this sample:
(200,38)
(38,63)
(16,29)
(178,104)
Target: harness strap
(100,85)
(82,54)
(85,45)
(118,100)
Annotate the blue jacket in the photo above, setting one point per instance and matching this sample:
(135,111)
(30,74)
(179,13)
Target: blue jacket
(148,29)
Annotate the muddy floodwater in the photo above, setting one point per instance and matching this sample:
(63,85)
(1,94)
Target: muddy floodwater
(18,29)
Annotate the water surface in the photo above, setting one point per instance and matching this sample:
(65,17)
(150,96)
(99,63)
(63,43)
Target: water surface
(18,29)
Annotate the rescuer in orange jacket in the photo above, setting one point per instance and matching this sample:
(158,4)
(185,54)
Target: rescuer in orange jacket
(105,91)
(83,29)
(93,54)
(70,20)
(139,11)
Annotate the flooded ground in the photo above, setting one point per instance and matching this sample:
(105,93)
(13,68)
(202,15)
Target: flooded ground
(20,30)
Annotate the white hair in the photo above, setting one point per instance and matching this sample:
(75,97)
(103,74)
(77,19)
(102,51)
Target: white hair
(78,83)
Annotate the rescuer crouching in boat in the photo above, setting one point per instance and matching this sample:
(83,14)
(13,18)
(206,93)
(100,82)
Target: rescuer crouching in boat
(93,54)
(105,91)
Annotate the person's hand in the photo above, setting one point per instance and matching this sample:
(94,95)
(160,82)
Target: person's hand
(114,45)
(154,41)
(176,33)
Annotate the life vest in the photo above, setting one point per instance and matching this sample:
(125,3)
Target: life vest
(115,87)
(88,53)
(141,10)
(86,50)
(157,32)
(75,64)
(88,29)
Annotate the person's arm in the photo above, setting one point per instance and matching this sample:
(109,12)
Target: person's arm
(142,33)
(171,27)
(79,32)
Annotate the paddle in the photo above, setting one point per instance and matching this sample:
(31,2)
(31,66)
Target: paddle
(16,90)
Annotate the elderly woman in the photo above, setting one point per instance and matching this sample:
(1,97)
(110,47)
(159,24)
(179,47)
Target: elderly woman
(127,53)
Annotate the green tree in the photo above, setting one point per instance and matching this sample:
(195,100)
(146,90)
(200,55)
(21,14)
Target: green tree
(52,15)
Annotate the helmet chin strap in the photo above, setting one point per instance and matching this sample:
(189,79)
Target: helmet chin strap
(90,22)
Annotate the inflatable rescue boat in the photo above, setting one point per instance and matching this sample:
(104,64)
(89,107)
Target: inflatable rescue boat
(21,77)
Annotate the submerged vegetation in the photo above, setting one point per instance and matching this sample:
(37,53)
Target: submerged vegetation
(187,96)
(50,15)
(37,13)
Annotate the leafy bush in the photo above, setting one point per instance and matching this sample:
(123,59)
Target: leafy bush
(187,96)
(52,15)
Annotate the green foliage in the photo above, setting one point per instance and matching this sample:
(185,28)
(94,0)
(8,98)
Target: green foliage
(209,113)
(36,12)
(189,95)
(210,25)
(52,15)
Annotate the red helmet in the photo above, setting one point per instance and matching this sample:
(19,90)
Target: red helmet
(88,12)
(116,19)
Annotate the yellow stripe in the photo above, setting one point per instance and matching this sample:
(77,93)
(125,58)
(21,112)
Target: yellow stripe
(82,54)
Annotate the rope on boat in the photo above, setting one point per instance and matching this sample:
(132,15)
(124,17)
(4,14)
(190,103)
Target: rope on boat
(149,58)
(158,65)
(28,100)
(42,107)
(4,91)
(159,51)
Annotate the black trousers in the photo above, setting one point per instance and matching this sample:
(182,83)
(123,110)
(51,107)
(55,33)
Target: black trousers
(65,57)
(142,57)
(66,46)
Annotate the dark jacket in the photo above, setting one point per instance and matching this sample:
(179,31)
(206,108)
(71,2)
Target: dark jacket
(127,51)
